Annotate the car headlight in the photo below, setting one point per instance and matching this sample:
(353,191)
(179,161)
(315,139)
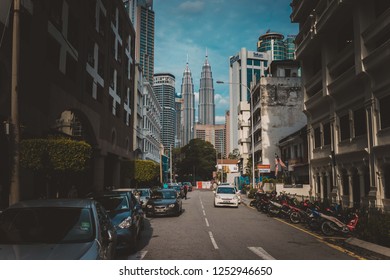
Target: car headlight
(218,197)
(235,197)
(171,205)
(126,223)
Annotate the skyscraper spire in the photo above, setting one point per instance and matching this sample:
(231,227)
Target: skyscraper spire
(206,95)
(188,117)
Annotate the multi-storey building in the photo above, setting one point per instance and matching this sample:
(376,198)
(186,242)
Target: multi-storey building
(245,67)
(277,47)
(151,124)
(277,110)
(343,48)
(142,16)
(76,77)
(206,111)
(179,112)
(215,134)
(164,88)
(188,113)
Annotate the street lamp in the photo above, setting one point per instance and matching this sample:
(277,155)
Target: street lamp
(252,134)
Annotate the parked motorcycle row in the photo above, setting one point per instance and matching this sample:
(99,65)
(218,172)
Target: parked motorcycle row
(329,220)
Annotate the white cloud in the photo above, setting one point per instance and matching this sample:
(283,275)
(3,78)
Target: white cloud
(219,119)
(191,6)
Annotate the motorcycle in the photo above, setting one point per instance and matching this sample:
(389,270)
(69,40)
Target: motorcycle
(331,225)
(263,203)
(285,208)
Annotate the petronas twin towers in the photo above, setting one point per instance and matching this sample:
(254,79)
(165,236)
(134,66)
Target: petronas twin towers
(206,108)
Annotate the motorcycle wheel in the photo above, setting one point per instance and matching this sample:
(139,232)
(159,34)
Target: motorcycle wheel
(273,211)
(327,229)
(295,217)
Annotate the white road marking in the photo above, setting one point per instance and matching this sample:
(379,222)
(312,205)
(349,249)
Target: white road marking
(213,241)
(207,222)
(137,256)
(261,253)
(204,213)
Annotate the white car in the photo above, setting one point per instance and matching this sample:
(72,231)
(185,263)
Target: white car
(225,195)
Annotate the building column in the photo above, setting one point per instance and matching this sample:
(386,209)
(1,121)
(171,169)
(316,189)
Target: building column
(361,173)
(98,173)
(350,186)
(321,185)
(329,184)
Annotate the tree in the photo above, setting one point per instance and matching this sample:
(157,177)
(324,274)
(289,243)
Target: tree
(198,161)
(141,172)
(235,154)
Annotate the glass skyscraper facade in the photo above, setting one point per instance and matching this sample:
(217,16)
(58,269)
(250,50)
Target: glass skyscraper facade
(164,88)
(277,46)
(206,112)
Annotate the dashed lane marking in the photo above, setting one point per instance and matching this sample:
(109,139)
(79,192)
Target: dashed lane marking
(207,222)
(263,254)
(213,240)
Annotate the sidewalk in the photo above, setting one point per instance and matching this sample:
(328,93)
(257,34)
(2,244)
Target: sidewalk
(352,241)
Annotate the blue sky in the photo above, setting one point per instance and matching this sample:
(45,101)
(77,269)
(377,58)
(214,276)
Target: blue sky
(222,27)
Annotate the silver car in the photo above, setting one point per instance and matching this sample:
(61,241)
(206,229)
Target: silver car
(56,229)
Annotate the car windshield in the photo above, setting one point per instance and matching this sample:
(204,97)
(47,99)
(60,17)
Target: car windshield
(143,192)
(52,225)
(113,203)
(165,195)
(225,190)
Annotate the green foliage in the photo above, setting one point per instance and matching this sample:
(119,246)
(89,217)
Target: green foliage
(374,226)
(198,160)
(141,171)
(58,154)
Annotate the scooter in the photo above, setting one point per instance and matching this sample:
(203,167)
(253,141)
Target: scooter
(331,225)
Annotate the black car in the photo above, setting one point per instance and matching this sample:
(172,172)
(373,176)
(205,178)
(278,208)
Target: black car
(56,229)
(127,216)
(164,202)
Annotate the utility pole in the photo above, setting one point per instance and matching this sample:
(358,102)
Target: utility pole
(15,184)
(170,160)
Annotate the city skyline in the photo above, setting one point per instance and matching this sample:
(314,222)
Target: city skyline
(222,27)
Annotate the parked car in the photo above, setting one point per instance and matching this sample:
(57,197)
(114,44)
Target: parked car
(225,195)
(57,229)
(164,202)
(142,194)
(127,216)
(179,189)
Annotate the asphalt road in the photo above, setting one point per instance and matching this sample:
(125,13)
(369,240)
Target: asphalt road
(204,232)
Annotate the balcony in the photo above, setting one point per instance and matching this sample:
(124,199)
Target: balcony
(342,62)
(378,32)
(305,34)
(301,9)
(314,84)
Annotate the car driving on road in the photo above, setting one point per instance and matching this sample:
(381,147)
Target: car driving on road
(225,195)
(164,202)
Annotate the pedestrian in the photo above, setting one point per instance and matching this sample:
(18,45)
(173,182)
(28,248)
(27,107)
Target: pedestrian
(185,191)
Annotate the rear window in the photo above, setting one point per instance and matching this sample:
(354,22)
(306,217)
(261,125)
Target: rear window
(112,203)
(46,225)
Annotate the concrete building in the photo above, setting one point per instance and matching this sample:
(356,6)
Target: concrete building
(215,134)
(206,111)
(151,124)
(73,80)
(277,110)
(188,111)
(343,48)
(179,111)
(164,88)
(245,67)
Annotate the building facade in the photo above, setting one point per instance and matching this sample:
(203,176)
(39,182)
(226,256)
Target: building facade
(76,77)
(215,134)
(188,113)
(179,112)
(206,108)
(277,110)
(245,67)
(164,88)
(343,49)
(276,46)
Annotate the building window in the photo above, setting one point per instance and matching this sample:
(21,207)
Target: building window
(344,128)
(73,30)
(327,135)
(317,137)
(100,67)
(384,112)
(287,72)
(359,122)
(53,52)
(71,67)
